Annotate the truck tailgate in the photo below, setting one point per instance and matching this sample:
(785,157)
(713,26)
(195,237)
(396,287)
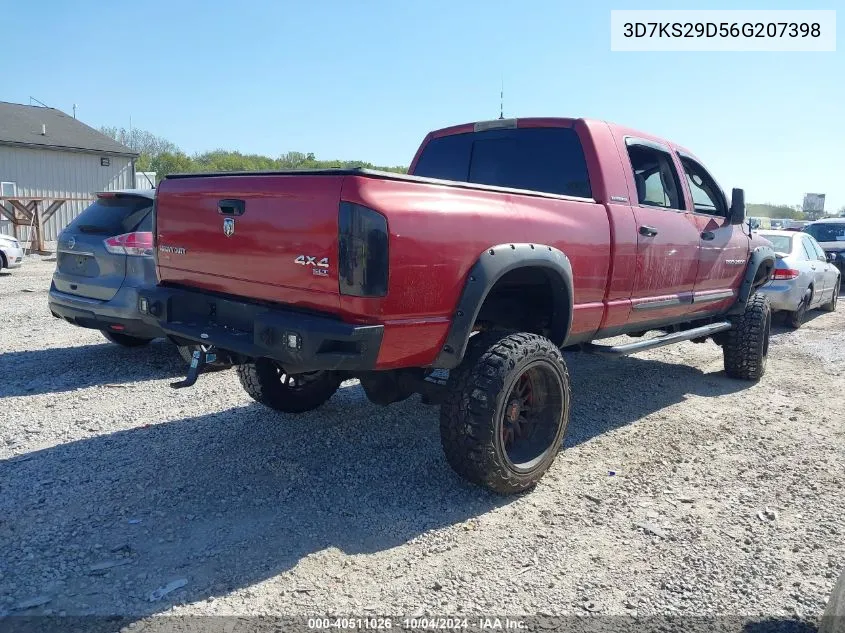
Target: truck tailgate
(270,236)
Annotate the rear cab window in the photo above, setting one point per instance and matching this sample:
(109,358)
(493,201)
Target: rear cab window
(114,216)
(547,160)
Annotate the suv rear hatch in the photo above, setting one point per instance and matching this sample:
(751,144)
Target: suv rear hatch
(270,237)
(84,265)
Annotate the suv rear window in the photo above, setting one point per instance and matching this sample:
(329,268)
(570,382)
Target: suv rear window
(550,160)
(113,216)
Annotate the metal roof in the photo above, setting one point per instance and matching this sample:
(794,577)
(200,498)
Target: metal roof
(22,125)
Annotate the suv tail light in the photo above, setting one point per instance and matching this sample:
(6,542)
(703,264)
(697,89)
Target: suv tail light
(139,244)
(785,273)
(362,251)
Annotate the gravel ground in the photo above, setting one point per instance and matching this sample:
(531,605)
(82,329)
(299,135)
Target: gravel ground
(680,491)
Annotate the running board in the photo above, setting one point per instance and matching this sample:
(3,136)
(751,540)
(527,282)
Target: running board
(659,341)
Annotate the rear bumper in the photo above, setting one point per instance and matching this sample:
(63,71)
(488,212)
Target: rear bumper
(12,256)
(121,311)
(298,341)
(783,295)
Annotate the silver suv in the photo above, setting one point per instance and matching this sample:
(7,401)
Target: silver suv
(103,257)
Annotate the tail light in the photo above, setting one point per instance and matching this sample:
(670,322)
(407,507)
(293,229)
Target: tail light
(139,244)
(362,251)
(785,273)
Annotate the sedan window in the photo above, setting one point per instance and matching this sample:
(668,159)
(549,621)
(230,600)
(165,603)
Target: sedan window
(808,249)
(781,243)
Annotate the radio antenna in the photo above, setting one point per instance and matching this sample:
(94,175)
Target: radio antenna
(502,101)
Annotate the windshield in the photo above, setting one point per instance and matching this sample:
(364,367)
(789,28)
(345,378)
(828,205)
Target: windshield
(781,243)
(827,231)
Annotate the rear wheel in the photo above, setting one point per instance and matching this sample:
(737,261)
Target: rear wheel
(796,319)
(830,306)
(266,382)
(124,339)
(746,344)
(506,411)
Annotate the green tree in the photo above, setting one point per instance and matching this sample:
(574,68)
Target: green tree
(164,157)
(143,142)
(774,211)
(171,163)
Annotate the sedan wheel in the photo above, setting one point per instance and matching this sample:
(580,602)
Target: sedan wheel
(796,319)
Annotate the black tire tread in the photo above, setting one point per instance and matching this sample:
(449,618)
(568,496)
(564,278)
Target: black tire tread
(261,382)
(473,390)
(743,343)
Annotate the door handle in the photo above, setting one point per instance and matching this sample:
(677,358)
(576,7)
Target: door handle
(708,235)
(231,207)
(648,231)
(812,267)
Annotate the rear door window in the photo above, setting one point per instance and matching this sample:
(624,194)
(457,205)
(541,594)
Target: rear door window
(820,254)
(549,160)
(809,251)
(113,216)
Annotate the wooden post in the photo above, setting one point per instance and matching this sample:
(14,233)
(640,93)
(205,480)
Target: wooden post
(38,227)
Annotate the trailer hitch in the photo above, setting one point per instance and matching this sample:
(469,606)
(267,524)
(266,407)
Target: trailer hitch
(199,359)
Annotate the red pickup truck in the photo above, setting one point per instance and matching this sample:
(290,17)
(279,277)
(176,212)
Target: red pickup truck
(507,241)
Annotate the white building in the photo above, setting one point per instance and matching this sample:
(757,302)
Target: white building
(46,154)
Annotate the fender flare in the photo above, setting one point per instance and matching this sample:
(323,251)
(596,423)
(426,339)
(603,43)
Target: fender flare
(761,256)
(491,266)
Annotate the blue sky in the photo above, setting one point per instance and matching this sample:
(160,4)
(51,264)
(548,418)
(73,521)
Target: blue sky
(366,80)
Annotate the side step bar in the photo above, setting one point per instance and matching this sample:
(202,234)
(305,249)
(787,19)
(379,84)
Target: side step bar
(659,341)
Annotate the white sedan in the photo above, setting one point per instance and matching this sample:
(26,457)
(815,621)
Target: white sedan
(11,253)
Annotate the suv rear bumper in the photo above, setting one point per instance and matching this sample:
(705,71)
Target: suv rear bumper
(298,341)
(121,311)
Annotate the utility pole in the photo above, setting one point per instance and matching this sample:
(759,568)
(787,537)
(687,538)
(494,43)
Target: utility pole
(502,100)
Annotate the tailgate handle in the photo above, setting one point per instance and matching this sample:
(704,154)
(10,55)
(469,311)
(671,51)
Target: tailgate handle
(231,207)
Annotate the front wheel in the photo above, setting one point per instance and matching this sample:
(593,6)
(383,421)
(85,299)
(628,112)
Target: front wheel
(266,382)
(746,344)
(506,411)
(124,339)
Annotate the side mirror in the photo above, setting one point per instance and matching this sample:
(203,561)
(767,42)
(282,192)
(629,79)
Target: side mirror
(737,213)
(831,257)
